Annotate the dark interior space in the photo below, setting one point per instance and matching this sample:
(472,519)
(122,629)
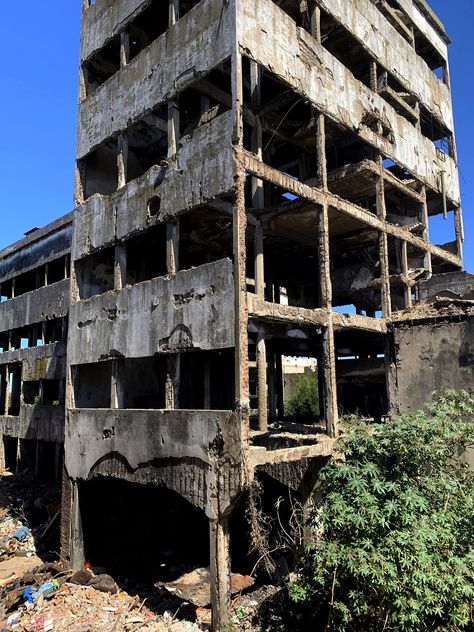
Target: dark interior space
(141,533)
(10,446)
(146,255)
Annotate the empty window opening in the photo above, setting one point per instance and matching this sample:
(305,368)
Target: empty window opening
(52,392)
(46,461)
(205,99)
(162,518)
(15,391)
(27,455)
(433,129)
(143,381)
(146,255)
(429,54)
(205,236)
(443,231)
(290,255)
(99,170)
(206,380)
(95,273)
(294,392)
(345,48)
(288,125)
(55,331)
(361,374)
(147,143)
(102,65)
(58,270)
(147,27)
(355,265)
(31,393)
(92,385)
(28,282)
(10,448)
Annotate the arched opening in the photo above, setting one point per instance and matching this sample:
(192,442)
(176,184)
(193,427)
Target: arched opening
(141,534)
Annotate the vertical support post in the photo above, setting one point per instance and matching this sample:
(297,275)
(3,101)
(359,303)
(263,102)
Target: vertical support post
(405,270)
(272,391)
(80,182)
(220,573)
(259,261)
(124,48)
(383,243)
(172,247)
(442,176)
(173,127)
(173,370)
(374,83)
(173,12)
(77,537)
(328,351)
(315,19)
(120,267)
(426,231)
(13,287)
(459,228)
(122,160)
(262,389)
(5,390)
(279,384)
(116,386)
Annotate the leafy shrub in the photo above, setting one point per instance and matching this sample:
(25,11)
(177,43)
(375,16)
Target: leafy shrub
(394,535)
(305,401)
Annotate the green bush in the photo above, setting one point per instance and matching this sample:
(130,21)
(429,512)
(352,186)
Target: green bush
(393,544)
(305,401)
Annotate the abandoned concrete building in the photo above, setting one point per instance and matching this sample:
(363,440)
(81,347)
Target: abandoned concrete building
(254,181)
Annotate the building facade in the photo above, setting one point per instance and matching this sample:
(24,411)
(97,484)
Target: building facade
(254,181)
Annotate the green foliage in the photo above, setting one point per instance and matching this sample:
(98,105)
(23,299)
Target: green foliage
(305,401)
(394,543)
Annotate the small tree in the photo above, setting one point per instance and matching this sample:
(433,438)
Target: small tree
(394,548)
(305,401)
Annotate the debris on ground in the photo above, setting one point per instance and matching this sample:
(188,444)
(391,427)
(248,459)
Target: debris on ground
(195,586)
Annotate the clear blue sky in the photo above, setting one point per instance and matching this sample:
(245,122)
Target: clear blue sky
(38,70)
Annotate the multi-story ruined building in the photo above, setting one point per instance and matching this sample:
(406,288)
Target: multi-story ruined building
(34,292)
(254,180)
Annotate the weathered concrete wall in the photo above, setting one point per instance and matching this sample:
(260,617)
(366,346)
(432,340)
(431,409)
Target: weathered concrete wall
(272,38)
(39,363)
(419,20)
(453,285)
(194,310)
(186,182)
(37,306)
(198,439)
(32,256)
(40,236)
(191,48)
(431,356)
(377,35)
(104,19)
(45,423)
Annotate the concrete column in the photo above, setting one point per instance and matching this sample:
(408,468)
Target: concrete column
(426,231)
(77,537)
(459,228)
(279,384)
(173,127)
(172,381)
(272,386)
(4,391)
(116,385)
(315,19)
(173,12)
(172,247)
(220,573)
(46,275)
(328,361)
(120,267)
(321,151)
(122,160)
(124,48)
(259,261)
(405,270)
(383,243)
(13,287)
(262,389)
